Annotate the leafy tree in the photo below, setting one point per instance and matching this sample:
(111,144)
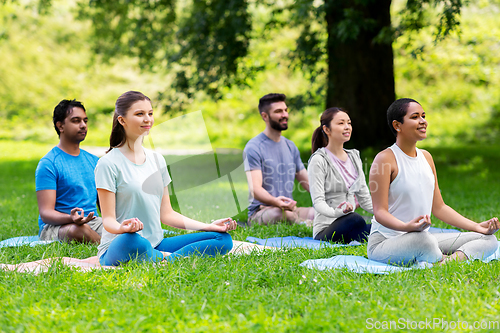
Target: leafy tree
(204,42)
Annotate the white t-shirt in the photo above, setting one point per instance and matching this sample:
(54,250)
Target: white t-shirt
(138,191)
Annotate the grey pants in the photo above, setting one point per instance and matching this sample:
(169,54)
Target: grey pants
(429,247)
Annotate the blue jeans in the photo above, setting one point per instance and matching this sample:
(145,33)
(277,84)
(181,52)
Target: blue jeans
(130,246)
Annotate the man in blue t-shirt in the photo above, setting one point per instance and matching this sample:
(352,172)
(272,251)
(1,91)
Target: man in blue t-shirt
(65,184)
(272,163)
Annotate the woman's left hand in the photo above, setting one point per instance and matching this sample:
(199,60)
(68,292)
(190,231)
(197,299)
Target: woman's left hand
(347,208)
(489,227)
(223,225)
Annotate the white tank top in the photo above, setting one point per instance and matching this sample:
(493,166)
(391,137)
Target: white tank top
(411,193)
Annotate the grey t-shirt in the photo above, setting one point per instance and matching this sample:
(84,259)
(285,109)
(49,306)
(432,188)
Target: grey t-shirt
(278,161)
(138,191)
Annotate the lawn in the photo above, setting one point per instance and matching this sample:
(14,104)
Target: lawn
(267,292)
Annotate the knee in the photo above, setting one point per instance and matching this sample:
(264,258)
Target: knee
(357,221)
(491,239)
(428,247)
(310,214)
(76,232)
(133,242)
(290,216)
(492,243)
(272,216)
(226,242)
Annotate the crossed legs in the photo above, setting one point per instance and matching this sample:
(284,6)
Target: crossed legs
(430,247)
(132,246)
(267,215)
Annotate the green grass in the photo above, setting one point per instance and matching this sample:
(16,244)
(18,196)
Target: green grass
(255,293)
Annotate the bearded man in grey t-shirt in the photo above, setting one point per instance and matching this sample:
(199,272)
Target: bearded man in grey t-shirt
(272,163)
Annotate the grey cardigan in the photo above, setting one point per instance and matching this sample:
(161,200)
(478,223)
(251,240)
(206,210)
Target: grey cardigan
(328,188)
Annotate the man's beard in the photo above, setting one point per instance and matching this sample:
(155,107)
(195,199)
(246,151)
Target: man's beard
(277,126)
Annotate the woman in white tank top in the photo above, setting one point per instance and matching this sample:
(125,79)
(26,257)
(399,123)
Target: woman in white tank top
(405,192)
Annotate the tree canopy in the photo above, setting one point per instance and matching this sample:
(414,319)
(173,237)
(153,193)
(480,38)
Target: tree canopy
(204,42)
(345,48)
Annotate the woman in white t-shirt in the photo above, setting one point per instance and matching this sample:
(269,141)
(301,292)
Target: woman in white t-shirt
(337,182)
(133,194)
(405,191)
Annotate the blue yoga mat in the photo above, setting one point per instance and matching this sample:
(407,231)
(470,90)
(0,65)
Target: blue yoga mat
(35,240)
(23,240)
(358,264)
(310,243)
(292,241)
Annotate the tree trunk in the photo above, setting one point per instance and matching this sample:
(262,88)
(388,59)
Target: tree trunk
(361,72)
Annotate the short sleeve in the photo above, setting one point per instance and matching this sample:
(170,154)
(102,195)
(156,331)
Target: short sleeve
(165,176)
(45,175)
(251,158)
(105,175)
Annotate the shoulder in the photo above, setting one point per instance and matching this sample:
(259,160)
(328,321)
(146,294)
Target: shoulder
(52,154)
(252,146)
(108,159)
(385,156)
(353,152)
(256,140)
(88,155)
(156,155)
(317,157)
(426,154)
(428,157)
(91,158)
(290,143)
(48,160)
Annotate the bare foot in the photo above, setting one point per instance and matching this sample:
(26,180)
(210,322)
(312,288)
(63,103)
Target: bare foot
(457,256)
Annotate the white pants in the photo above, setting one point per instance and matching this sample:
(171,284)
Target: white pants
(429,247)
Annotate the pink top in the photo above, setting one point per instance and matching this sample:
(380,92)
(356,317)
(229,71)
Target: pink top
(346,169)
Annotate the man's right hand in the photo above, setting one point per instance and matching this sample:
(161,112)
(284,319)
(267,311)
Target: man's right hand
(78,216)
(285,203)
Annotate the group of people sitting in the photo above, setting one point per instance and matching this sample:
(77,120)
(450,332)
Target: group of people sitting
(404,191)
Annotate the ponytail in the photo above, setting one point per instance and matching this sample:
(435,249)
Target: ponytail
(319,139)
(117,137)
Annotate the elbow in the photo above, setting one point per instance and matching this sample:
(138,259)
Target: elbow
(44,217)
(377,213)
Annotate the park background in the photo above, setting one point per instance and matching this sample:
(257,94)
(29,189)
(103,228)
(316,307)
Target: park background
(47,54)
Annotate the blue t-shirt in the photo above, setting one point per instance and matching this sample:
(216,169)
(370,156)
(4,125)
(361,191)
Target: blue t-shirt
(72,177)
(278,161)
